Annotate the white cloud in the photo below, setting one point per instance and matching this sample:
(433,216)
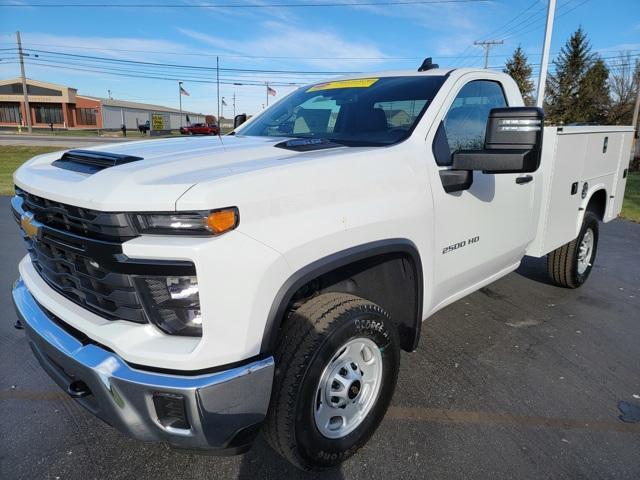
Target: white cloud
(101,46)
(282,40)
(450,28)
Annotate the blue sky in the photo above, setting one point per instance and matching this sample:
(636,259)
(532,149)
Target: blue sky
(350,38)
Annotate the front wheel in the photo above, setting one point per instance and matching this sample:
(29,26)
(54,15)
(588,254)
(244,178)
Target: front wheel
(569,266)
(336,369)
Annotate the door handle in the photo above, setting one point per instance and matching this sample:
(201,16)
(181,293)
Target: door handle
(525,179)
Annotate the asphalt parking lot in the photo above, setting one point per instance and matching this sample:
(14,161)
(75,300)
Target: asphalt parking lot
(519,380)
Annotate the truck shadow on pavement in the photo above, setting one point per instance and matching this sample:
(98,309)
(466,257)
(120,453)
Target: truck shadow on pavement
(262,462)
(534,269)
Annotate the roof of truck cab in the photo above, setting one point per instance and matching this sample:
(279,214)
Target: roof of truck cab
(434,72)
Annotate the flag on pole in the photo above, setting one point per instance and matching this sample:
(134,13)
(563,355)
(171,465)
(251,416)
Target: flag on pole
(183,91)
(271,91)
(223,102)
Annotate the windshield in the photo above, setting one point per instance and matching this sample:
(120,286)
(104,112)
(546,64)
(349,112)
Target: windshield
(365,111)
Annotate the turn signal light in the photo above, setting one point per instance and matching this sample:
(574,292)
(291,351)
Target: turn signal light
(221,221)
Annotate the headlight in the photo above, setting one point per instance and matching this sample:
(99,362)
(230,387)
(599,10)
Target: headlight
(172,304)
(206,222)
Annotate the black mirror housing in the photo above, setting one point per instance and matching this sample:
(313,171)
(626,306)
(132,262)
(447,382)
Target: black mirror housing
(239,120)
(513,143)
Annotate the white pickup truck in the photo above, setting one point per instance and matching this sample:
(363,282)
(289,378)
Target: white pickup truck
(196,291)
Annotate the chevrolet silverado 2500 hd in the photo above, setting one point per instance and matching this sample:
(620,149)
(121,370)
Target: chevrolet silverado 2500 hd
(195,291)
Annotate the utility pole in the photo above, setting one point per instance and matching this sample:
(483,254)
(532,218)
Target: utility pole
(267,84)
(27,108)
(180,100)
(234,105)
(548,30)
(486,45)
(218,86)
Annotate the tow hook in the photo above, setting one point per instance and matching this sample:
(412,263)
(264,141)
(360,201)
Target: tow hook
(78,389)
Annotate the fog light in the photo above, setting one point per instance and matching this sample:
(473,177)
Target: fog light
(171,411)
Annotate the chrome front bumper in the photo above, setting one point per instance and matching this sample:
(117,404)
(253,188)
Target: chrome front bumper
(223,410)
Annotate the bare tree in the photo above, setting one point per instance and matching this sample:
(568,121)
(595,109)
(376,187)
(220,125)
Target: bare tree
(624,81)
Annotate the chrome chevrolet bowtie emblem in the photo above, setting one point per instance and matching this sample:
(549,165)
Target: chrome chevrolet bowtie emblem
(28,224)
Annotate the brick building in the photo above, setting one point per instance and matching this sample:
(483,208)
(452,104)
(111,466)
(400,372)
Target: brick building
(64,108)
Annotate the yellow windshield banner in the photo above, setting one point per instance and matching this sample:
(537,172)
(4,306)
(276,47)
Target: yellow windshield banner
(356,83)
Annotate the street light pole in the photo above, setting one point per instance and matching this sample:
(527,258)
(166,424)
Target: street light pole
(218,86)
(180,100)
(548,30)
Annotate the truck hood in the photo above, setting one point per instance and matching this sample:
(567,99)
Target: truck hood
(169,168)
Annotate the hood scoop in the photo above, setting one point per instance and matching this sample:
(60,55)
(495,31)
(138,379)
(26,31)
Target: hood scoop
(92,161)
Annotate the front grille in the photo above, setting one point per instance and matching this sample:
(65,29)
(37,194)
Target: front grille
(68,248)
(81,221)
(84,281)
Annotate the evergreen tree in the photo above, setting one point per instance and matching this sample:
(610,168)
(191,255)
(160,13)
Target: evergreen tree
(574,61)
(519,69)
(593,95)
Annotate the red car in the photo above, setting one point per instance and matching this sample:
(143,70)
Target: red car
(199,129)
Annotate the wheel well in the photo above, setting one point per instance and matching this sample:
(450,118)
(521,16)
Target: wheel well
(391,278)
(598,204)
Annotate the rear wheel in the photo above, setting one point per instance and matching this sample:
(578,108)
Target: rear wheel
(336,369)
(570,265)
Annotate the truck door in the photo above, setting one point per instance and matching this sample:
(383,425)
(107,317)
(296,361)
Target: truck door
(484,230)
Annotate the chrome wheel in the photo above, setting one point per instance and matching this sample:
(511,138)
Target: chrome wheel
(585,251)
(348,388)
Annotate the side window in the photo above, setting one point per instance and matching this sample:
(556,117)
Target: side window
(466,121)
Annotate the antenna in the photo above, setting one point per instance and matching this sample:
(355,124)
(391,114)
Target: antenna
(427,65)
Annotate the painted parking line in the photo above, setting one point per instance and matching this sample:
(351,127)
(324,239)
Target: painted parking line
(422,414)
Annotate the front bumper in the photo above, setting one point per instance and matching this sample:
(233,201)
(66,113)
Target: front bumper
(223,410)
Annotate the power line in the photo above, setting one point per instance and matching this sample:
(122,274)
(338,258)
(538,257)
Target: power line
(213,55)
(155,77)
(238,77)
(526,29)
(189,67)
(495,32)
(236,5)
(536,20)
(202,54)
(160,71)
(466,56)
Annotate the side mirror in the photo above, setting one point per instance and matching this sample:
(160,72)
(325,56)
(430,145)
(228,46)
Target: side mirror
(239,120)
(513,143)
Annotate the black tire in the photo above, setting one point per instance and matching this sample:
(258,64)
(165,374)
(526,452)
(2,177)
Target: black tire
(310,339)
(562,263)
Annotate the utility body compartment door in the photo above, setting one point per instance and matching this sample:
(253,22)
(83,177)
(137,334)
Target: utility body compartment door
(577,162)
(622,173)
